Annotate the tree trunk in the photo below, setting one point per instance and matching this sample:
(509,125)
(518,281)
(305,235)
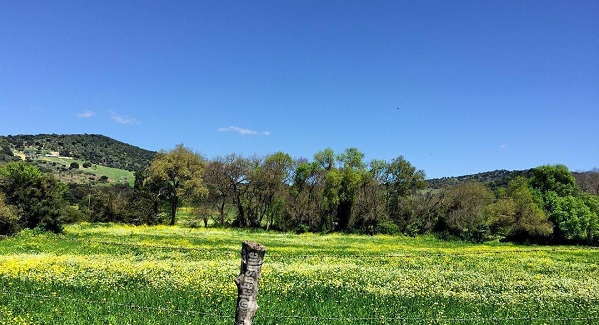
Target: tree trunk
(174,204)
(252,257)
(221,210)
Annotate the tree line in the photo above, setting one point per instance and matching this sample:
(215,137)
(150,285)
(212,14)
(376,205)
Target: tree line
(332,192)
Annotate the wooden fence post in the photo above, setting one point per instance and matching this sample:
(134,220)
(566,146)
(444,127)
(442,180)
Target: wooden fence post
(252,257)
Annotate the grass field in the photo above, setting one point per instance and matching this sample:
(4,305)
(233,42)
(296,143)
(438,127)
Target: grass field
(115,175)
(112,274)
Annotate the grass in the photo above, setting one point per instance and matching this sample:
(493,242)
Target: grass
(114,274)
(115,175)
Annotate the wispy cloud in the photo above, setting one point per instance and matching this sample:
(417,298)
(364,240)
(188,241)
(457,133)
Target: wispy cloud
(87,114)
(121,119)
(266,133)
(503,146)
(239,130)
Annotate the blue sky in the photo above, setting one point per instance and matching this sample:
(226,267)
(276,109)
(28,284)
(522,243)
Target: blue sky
(480,85)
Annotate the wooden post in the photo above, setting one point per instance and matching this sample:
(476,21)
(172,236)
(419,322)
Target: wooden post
(252,257)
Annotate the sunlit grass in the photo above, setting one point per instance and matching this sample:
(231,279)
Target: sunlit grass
(115,274)
(115,175)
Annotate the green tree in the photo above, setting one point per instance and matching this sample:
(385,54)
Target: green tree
(420,212)
(401,179)
(370,204)
(39,197)
(219,188)
(237,171)
(272,178)
(180,174)
(554,178)
(571,214)
(466,205)
(325,158)
(9,217)
(516,214)
(353,171)
(592,202)
(305,198)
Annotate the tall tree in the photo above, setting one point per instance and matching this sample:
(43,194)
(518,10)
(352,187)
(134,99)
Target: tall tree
(401,179)
(572,218)
(305,197)
(180,173)
(556,178)
(273,178)
(219,187)
(353,172)
(516,215)
(466,206)
(369,208)
(237,171)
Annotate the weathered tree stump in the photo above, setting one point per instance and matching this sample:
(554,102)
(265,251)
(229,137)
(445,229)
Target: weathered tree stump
(252,257)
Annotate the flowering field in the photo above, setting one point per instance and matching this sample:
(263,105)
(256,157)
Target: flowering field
(114,274)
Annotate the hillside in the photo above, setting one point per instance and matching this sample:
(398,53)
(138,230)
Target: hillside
(96,149)
(493,179)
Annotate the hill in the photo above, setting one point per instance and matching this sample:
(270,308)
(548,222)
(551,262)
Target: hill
(494,179)
(93,148)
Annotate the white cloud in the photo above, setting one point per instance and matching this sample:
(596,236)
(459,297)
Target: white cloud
(503,146)
(87,114)
(266,133)
(239,130)
(124,119)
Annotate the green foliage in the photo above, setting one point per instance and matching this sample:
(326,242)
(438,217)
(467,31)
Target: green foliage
(97,149)
(179,174)
(555,178)
(573,213)
(39,197)
(592,231)
(516,214)
(9,217)
(494,180)
(570,215)
(118,204)
(334,192)
(422,213)
(6,154)
(400,179)
(466,216)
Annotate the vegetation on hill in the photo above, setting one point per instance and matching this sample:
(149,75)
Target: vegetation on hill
(93,148)
(493,179)
(6,153)
(72,171)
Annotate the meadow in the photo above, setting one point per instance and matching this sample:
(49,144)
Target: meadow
(115,175)
(117,274)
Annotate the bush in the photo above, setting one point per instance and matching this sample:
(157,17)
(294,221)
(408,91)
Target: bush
(9,218)
(38,196)
(387,228)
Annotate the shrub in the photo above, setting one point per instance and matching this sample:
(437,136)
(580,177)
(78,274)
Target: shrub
(9,218)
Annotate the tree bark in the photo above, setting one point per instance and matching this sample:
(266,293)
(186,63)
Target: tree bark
(174,204)
(252,257)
